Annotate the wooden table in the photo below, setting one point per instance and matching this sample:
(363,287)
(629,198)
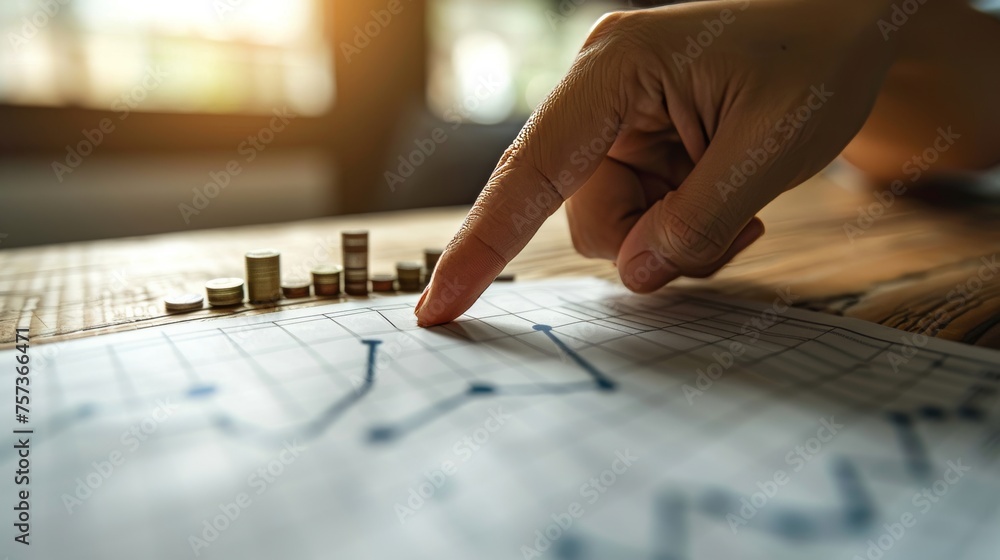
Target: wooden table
(899,271)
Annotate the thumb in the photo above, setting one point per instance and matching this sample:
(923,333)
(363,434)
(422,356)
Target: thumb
(696,229)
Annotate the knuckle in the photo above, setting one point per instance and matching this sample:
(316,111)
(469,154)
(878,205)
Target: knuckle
(614,27)
(691,237)
(608,25)
(616,33)
(618,50)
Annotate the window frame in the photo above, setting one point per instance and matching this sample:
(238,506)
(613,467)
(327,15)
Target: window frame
(382,81)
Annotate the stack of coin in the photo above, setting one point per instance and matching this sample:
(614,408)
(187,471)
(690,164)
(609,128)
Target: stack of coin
(179,303)
(431,257)
(263,275)
(355,249)
(295,288)
(383,283)
(409,276)
(224,291)
(326,280)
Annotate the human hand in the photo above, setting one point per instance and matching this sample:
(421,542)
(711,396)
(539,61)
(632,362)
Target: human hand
(672,129)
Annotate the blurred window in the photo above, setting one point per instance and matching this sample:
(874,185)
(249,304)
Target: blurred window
(495,59)
(192,56)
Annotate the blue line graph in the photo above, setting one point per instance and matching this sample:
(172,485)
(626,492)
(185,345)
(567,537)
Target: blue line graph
(388,401)
(321,423)
(599,381)
(918,461)
(394,431)
(674,509)
(370,368)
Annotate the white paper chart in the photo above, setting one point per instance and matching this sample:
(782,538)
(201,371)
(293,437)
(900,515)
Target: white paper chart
(563,420)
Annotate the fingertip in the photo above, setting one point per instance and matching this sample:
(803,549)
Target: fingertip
(647,272)
(433,308)
(462,274)
(420,302)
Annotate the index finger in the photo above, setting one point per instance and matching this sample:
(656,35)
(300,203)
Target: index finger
(556,151)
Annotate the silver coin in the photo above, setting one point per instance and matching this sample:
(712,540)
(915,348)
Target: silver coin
(183,302)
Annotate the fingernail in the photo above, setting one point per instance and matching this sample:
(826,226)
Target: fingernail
(646,272)
(420,302)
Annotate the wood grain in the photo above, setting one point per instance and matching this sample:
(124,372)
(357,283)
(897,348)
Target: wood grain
(916,268)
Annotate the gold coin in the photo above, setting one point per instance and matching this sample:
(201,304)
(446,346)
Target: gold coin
(263,254)
(224,284)
(431,258)
(327,269)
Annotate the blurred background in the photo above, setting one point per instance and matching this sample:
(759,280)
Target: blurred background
(127,118)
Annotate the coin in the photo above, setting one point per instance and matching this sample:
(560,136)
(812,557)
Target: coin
(295,288)
(327,269)
(263,267)
(224,284)
(383,283)
(326,289)
(354,245)
(409,274)
(224,291)
(177,303)
(431,257)
(326,279)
